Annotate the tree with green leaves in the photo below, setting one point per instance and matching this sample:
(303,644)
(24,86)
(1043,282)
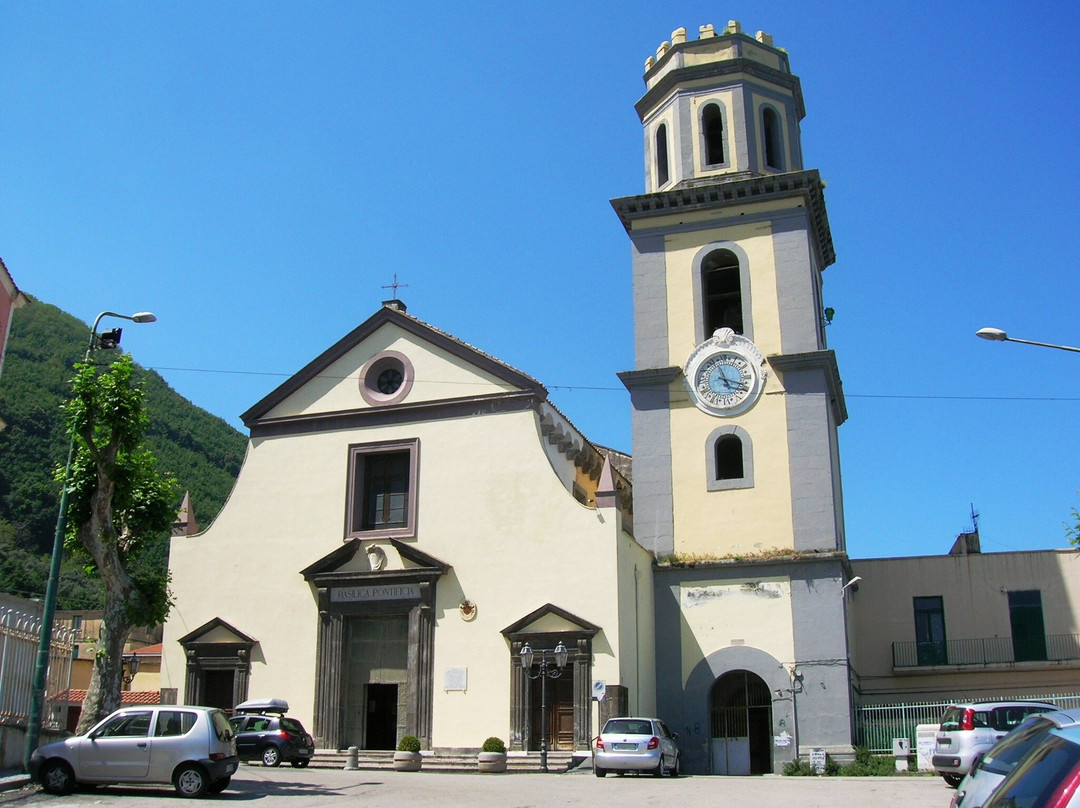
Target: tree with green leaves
(119,508)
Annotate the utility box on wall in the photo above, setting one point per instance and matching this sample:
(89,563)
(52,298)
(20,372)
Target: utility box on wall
(614,704)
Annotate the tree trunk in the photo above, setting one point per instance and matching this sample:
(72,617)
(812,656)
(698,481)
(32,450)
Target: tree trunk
(99,538)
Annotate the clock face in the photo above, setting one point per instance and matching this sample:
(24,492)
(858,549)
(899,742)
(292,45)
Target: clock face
(725,374)
(724,380)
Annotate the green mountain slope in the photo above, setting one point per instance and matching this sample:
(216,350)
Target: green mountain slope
(201,450)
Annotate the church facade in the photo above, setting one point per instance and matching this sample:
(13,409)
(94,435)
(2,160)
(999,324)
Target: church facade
(413,512)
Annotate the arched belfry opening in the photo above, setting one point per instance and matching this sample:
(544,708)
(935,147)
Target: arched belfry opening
(740,724)
(722,292)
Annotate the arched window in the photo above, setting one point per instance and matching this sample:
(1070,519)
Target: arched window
(770,126)
(712,127)
(729,465)
(662,175)
(722,292)
(730,459)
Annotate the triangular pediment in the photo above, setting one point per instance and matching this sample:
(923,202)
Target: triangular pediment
(550,619)
(217,632)
(440,368)
(358,560)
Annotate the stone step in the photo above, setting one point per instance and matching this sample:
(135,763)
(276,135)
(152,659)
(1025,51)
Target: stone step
(459,763)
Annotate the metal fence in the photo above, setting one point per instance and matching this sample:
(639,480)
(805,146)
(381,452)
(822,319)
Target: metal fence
(876,725)
(987,651)
(19,634)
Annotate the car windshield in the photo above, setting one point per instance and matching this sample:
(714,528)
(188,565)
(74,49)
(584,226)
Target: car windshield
(628,726)
(1033,782)
(1003,757)
(292,725)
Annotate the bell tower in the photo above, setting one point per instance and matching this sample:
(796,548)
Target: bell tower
(737,399)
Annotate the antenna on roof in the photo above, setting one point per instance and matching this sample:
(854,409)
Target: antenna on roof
(974,519)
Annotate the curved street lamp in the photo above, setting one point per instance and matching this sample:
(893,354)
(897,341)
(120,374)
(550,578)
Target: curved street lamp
(543,673)
(110,339)
(997,335)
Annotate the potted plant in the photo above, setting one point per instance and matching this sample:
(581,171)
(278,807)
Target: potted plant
(407,758)
(492,756)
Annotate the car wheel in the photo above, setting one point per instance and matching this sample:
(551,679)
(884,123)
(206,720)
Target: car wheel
(190,781)
(218,786)
(271,756)
(952,779)
(57,777)
(659,770)
(599,772)
(301,763)
(676,770)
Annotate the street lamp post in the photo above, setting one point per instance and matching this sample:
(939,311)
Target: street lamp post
(109,339)
(131,667)
(997,335)
(544,672)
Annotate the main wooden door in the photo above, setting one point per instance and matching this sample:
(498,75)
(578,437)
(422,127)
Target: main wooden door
(560,713)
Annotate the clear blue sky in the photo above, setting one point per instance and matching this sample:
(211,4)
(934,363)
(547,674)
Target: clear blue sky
(255,173)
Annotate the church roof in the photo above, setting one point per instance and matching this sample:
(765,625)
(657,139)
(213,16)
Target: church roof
(393,311)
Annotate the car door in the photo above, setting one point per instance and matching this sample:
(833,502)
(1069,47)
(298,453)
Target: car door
(667,742)
(173,741)
(118,750)
(245,740)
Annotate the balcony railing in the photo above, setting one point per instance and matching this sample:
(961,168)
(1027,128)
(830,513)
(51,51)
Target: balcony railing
(987,651)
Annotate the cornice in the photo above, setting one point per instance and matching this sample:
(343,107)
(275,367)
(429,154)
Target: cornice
(817,360)
(401,414)
(649,377)
(708,70)
(734,193)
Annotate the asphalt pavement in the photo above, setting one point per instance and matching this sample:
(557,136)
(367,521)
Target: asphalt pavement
(322,788)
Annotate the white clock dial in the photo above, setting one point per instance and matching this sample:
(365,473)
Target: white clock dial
(726,374)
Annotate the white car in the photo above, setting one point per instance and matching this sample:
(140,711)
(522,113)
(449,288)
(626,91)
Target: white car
(968,731)
(636,744)
(193,748)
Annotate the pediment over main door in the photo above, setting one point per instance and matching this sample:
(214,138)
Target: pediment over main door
(373,571)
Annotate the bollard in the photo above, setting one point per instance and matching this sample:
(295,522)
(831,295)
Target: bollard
(351,756)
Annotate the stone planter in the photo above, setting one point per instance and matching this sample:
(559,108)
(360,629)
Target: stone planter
(491,761)
(407,761)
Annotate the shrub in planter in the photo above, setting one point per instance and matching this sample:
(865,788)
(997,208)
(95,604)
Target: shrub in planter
(492,757)
(407,758)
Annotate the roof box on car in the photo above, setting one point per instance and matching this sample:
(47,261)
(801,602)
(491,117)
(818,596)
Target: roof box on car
(263,706)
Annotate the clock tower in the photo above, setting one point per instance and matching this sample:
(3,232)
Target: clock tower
(736,404)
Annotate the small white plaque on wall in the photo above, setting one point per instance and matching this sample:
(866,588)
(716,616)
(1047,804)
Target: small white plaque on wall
(456,679)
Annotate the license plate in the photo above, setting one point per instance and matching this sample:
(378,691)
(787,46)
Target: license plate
(625,746)
(305,752)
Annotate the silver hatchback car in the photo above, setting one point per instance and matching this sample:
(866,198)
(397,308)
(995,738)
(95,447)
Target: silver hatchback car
(193,748)
(636,744)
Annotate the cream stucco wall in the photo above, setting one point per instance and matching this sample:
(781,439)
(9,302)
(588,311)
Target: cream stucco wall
(715,616)
(489,504)
(974,589)
(743,520)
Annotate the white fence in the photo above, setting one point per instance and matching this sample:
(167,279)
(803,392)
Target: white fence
(19,633)
(876,725)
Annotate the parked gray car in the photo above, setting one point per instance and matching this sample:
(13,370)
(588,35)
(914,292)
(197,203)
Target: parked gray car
(192,748)
(636,744)
(980,782)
